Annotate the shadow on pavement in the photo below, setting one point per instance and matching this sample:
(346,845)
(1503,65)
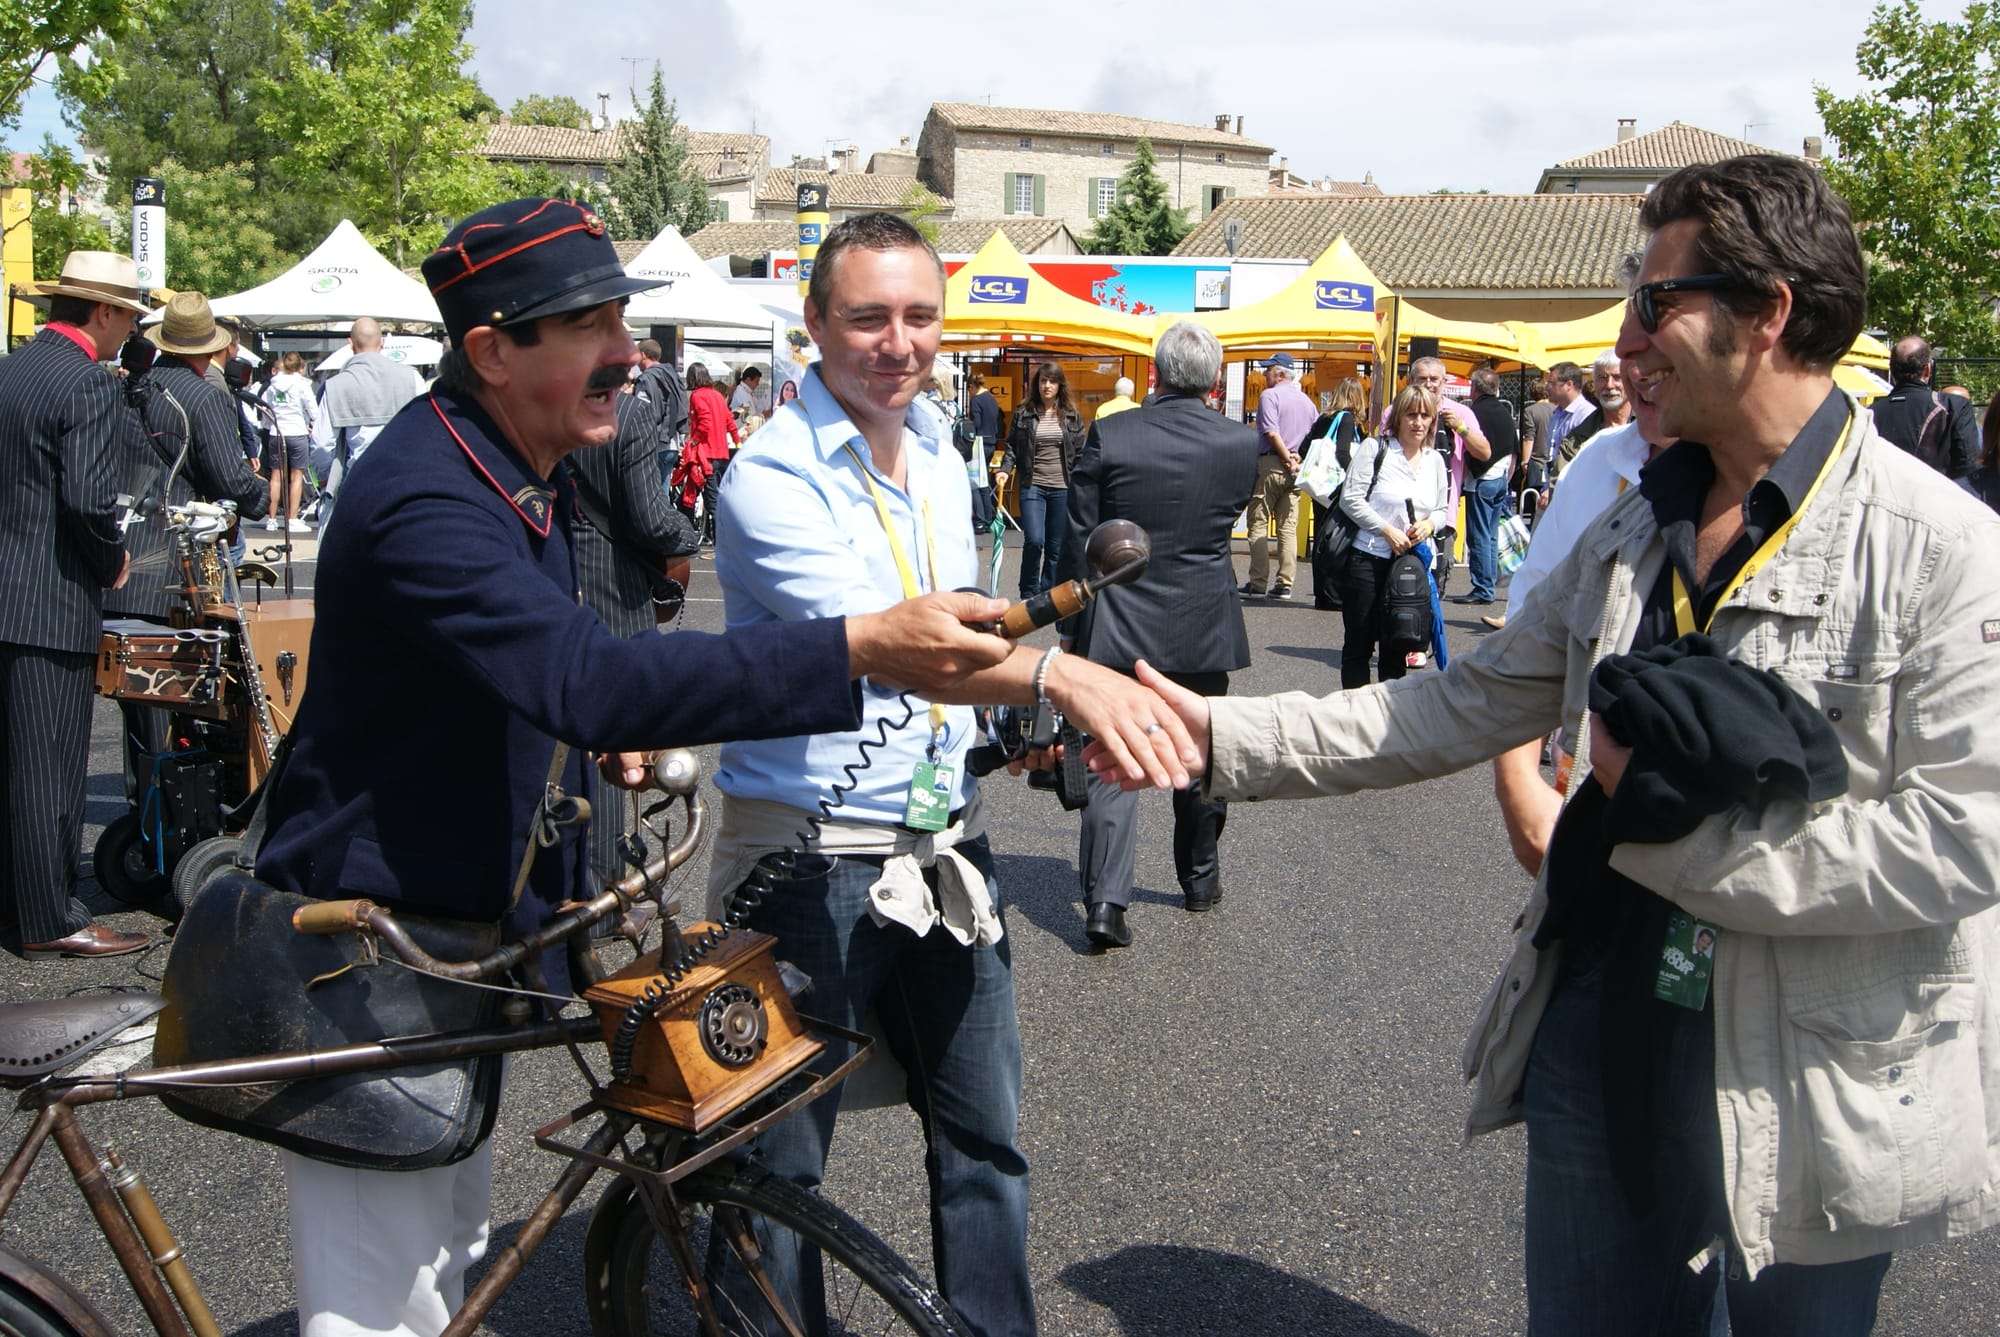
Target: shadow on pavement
(1161,1288)
(1045,891)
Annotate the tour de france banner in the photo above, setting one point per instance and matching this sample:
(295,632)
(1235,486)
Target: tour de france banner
(812,228)
(149,230)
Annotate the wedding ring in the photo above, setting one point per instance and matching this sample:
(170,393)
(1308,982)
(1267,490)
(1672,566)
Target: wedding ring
(1152,728)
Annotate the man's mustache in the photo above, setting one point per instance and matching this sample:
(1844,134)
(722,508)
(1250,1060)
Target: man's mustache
(609,378)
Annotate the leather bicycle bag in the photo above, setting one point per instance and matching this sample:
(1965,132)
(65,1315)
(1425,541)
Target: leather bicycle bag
(241,983)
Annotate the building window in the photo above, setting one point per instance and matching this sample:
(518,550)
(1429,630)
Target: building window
(1110,150)
(1219,157)
(1024,143)
(1024,193)
(598,175)
(1107,195)
(1213,196)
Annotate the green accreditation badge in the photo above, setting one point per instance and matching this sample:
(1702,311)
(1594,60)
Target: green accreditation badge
(1687,959)
(929,806)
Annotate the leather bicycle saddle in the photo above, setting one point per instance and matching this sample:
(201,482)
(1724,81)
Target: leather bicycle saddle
(37,1039)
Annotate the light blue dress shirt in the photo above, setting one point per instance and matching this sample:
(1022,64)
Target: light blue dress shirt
(797,535)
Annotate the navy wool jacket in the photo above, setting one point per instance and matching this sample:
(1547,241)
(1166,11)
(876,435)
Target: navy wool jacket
(449,653)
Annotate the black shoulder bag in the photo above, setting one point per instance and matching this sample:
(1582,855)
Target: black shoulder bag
(1339,536)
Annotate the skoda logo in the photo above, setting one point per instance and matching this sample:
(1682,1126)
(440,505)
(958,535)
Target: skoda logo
(326,283)
(999,289)
(1336,296)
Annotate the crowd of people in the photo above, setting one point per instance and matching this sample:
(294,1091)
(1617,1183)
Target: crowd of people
(1749,1012)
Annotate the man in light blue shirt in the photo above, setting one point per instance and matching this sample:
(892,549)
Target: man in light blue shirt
(849,499)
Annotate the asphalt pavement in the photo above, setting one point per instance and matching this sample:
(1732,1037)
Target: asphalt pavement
(1250,1122)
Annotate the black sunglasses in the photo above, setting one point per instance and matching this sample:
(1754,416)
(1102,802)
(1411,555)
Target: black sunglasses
(1644,297)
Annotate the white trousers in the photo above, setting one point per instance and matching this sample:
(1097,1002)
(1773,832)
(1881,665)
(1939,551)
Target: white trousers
(377,1252)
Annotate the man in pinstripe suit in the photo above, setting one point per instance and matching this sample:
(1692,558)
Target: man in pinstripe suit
(1181,472)
(65,436)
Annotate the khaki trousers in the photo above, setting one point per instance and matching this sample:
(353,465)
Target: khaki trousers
(1273,505)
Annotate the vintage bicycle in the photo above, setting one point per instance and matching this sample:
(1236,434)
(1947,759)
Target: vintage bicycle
(684,1240)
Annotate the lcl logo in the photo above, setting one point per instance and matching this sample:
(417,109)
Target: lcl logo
(1336,296)
(999,290)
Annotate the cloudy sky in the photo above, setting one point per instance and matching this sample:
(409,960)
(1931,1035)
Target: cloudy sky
(1477,96)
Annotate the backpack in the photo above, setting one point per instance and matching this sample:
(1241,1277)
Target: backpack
(1406,604)
(1933,438)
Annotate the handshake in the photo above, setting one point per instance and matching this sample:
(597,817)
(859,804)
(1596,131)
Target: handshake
(938,647)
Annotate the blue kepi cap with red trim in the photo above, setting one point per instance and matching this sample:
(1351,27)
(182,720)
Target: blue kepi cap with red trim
(522,260)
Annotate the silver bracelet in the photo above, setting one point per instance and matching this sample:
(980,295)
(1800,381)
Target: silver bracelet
(1042,674)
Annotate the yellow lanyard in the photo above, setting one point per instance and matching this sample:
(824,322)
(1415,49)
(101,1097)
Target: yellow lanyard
(904,571)
(1684,606)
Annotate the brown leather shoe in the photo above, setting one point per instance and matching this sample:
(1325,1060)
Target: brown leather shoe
(1494,620)
(91,940)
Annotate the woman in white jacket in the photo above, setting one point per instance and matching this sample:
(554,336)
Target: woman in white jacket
(1389,480)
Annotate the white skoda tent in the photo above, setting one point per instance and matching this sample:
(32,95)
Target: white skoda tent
(343,279)
(693,294)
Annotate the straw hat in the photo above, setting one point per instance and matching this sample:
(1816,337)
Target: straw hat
(98,276)
(188,327)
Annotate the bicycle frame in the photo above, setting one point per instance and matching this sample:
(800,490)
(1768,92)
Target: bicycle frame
(151,1259)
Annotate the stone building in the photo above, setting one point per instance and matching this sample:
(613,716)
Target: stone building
(999,162)
(732,166)
(1635,162)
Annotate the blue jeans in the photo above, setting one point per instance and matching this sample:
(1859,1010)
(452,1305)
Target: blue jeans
(947,1011)
(1485,505)
(1044,522)
(1592,1266)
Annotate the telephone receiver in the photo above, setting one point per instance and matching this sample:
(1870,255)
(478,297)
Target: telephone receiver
(1116,554)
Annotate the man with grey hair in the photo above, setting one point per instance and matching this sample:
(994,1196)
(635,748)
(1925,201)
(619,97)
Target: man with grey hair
(1284,416)
(1121,398)
(1182,473)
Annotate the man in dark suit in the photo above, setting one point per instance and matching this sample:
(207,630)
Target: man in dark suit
(65,437)
(630,541)
(1182,473)
(192,450)
(1939,429)
(454,669)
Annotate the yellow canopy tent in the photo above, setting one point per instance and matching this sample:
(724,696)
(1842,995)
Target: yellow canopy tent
(1467,338)
(997,294)
(1333,300)
(1583,339)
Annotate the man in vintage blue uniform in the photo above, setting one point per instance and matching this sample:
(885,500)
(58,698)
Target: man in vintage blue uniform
(450,656)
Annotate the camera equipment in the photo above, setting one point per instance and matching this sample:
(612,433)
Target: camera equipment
(1014,731)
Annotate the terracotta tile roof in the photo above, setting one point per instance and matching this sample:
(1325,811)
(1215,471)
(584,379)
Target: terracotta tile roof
(962,236)
(1087,125)
(845,190)
(1442,241)
(742,238)
(1673,145)
(709,150)
(1324,189)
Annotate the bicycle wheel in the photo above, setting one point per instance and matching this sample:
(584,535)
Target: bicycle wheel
(730,1216)
(24,1314)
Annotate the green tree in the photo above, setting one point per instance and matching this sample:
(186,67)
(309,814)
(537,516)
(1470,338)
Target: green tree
(371,100)
(921,208)
(538,109)
(1140,221)
(215,245)
(180,79)
(32,31)
(657,184)
(1918,162)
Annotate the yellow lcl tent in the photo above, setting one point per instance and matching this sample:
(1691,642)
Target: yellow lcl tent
(998,293)
(1335,301)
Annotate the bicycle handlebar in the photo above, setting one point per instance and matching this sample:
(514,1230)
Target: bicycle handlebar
(676,773)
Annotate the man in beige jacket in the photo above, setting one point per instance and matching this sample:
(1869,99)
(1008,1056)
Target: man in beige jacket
(1832,1094)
